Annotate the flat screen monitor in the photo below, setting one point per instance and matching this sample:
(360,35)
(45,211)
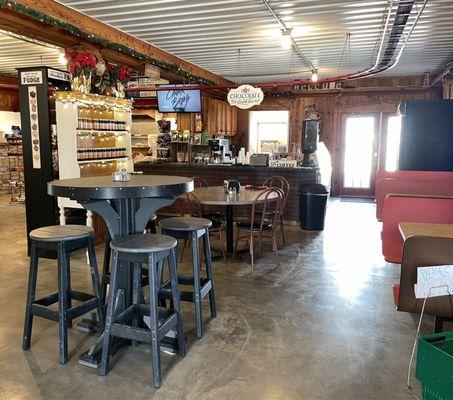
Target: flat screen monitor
(179,101)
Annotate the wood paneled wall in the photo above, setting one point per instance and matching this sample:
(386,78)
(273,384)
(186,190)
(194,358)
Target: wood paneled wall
(9,98)
(218,115)
(359,96)
(370,95)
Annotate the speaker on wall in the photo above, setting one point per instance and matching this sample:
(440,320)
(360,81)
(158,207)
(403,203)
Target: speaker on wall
(310,131)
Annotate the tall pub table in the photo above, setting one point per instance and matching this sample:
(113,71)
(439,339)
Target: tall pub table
(126,208)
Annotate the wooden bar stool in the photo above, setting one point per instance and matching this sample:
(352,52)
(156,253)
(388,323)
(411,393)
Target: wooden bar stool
(64,239)
(191,228)
(134,250)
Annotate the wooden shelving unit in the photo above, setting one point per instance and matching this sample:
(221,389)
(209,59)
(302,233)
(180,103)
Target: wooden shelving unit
(71,107)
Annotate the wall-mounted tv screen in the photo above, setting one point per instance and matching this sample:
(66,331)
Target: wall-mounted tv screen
(179,101)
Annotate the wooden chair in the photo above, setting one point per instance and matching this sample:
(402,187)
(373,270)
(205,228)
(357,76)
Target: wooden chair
(281,183)
(264,219)
(200,182)
(196,209)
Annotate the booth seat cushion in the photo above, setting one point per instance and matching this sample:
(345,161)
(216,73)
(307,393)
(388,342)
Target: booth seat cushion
(411,186)
(410,209)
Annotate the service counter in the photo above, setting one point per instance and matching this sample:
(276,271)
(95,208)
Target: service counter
(245,174)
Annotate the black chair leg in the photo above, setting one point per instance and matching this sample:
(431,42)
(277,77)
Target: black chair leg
(105,268)
(95,281)
(69,287)
(207,249)
(197,286)
(32,275)
(176,302)
(154,319)
(63,302)
(107,339)
(136,294)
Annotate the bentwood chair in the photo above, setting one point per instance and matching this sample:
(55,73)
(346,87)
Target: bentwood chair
(263,222)
(281,183)
(200,182)
(217,228)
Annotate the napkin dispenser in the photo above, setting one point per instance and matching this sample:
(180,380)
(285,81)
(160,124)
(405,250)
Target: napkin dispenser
(259,160)
(231,186)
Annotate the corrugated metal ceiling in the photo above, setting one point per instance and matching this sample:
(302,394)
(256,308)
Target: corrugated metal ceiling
(17,53)
(209,33)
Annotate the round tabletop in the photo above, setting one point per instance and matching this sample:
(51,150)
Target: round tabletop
(215,195)
(104,188)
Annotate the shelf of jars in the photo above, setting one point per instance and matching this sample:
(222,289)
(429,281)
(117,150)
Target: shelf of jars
(93,135)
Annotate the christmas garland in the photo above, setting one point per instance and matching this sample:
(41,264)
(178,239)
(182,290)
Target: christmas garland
(73,30)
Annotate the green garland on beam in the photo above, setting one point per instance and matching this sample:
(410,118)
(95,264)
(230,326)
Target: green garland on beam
(73,30)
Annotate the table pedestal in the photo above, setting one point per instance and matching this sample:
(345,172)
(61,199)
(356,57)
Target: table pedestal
(122,217)
(229,229)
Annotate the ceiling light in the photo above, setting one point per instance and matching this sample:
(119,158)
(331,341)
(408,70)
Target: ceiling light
(286,12)
(62,58)
(287,18)
(286,39)
(287,5)
(314,76)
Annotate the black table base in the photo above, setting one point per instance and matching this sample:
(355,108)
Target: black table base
(122,217)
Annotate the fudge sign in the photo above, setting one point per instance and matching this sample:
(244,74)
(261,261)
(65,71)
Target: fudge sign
(245,96)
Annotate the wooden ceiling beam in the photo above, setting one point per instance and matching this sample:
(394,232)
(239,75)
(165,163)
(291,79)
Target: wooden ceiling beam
(21,24)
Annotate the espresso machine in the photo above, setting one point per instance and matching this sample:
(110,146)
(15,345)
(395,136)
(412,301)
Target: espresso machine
(220,151)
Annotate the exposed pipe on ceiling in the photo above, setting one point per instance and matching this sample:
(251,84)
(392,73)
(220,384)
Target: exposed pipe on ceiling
(380,65)
(388,60)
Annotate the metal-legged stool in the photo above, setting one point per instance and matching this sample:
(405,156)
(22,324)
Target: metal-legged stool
(64,239)
(192,229)
(153,250)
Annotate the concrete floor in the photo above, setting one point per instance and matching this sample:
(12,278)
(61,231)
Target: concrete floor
(323,326)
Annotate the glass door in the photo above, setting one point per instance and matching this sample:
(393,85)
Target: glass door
(360,154)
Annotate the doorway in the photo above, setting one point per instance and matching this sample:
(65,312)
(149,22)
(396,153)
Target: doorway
(268,131)
(370,142)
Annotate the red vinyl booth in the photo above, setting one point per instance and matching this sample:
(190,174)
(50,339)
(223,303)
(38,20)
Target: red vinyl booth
(412,182)
(401,208)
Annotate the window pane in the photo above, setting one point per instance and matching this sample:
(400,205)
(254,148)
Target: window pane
(358,152)
(393,143)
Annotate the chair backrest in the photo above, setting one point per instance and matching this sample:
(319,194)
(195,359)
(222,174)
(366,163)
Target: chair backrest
(420,251)
(281,183)
(194,205)
(199,182)
(267,205)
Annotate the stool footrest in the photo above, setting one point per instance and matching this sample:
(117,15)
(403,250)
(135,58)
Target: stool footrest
(83,308)
(48,300)
(80,296)
(167,320)
(184,295)
(44,312)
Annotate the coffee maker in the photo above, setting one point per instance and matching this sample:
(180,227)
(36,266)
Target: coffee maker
(220,151)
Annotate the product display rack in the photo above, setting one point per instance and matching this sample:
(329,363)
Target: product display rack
(16,186)
(93,135)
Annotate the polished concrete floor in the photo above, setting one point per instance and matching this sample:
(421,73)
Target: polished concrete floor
(322,326)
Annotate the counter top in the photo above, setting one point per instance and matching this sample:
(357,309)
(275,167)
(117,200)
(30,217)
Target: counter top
(144,164)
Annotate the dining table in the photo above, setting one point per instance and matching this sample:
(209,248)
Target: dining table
(126,208)
(216,196)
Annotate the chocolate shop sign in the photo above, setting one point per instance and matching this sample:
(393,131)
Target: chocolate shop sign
(245,96)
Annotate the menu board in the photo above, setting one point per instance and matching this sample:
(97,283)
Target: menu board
(178,101)
(34,126)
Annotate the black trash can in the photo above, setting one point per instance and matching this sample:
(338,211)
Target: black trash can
(312,206)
